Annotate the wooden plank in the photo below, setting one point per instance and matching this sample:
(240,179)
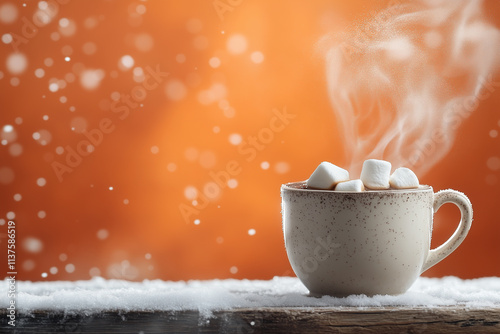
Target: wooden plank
(450,319)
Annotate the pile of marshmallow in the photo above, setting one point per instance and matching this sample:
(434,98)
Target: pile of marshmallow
(375,174)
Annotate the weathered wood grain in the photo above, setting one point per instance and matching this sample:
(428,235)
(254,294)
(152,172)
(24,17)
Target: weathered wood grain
(450,319)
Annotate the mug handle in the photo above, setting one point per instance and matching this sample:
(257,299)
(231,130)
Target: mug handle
(463,203)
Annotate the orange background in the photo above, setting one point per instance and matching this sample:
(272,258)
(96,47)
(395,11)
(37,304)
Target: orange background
(187,126)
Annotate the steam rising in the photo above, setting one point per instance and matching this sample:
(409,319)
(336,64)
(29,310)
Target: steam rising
(402,84)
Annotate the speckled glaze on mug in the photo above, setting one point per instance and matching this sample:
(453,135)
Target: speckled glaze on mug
(372,242)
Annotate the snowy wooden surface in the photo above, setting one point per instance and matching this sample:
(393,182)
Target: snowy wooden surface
(280,305)
(444,319)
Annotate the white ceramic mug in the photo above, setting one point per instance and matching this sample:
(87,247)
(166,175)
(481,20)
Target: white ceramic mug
(371,242)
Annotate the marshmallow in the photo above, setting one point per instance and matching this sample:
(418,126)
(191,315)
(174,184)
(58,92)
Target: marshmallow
(353,185)
(326,176)
(375,174)
(403,178)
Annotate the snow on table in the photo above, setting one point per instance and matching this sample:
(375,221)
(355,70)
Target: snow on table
(98,294)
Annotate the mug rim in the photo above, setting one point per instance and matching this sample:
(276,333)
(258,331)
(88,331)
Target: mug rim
(289,187)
